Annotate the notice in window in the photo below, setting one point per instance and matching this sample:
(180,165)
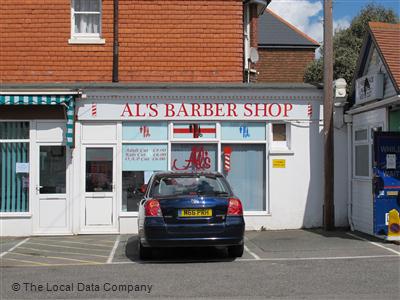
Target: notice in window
(22,167)
(145,157)
(390,161)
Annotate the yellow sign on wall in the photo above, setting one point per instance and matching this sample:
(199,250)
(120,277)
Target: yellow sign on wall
(279,163)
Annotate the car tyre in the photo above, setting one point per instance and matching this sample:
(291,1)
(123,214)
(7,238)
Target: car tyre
(144,252)
(235,251)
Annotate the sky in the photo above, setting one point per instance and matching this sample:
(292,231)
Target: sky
(307,14)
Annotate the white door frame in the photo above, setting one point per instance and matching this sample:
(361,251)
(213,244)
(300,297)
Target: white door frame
(113,228)
(37,230)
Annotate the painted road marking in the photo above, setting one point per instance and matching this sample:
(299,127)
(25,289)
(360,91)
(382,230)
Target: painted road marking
(58,252)
(318,258)
(251,253)
(71,242)
(15,247)
(57,257)
(37,264)
(373,243)
(69,247)
(112,253)
(26,261)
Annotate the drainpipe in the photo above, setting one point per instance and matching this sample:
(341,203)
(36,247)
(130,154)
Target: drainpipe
(349,175)
(252,9)
(115,44)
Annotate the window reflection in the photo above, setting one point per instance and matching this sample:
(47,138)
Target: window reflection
(99,169)
(52,169)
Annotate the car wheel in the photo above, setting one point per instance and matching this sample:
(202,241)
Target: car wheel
(144,252)
(235,251)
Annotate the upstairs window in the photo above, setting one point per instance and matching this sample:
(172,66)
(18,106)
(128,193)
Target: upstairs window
(86,21)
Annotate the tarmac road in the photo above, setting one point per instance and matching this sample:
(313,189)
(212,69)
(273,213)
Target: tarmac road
(293,264)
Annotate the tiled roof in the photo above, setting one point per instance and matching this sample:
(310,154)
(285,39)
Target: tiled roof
(387,38)
(274,31)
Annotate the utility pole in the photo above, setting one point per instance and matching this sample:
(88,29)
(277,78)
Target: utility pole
(329,219)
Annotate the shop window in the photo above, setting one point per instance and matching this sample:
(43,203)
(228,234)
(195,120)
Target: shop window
(280,135)
(194,157)
(86,21)
(362,160)
(194,131)
(236,131)
(14,130)
(245,171)
(139,161)
(14,177)
(14,166)
(99,169)
(144,131)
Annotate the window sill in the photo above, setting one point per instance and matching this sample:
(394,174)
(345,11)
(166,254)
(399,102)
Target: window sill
(281,151)
(15,215)
(86,41)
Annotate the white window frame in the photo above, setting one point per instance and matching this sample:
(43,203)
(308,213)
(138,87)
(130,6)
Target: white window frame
(85,38)
(365,142)
(280,145)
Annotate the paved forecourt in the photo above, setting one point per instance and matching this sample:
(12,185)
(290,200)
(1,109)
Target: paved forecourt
(259,246)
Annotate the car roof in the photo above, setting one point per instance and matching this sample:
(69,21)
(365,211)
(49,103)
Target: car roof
(181,173)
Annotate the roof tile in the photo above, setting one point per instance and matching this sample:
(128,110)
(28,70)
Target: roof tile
(387,37)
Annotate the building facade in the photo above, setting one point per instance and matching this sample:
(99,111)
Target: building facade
(376,108)
(75,143)
(284,51)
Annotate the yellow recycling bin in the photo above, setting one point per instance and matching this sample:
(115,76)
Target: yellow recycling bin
(394,226)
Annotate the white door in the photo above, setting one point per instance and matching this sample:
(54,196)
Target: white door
(52,206)
(99,174)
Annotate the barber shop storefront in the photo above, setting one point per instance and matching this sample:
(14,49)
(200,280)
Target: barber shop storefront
(266,141)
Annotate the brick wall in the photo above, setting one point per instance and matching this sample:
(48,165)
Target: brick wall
(283,65)
(160,40)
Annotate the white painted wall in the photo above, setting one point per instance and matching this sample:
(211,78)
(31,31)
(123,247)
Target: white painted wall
(16,226)
(296,192)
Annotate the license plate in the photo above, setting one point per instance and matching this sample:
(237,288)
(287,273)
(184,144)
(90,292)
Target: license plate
(195,212)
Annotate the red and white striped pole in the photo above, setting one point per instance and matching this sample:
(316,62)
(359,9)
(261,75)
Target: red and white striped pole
(227,159)
(94,110)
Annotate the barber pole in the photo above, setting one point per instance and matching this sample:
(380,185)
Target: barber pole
(227,159)
(309,110)
(94,109)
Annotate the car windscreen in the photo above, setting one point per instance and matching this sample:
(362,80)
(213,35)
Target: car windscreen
(170,186)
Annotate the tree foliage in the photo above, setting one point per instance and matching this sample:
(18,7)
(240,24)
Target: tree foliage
(347,44)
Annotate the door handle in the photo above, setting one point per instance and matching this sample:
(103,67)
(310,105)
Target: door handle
(38,187)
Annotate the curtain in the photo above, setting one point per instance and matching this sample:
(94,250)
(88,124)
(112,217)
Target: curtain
(14,182)
(247,174)
(87,16)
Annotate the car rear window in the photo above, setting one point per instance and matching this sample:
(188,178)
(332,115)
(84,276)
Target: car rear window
(169,186)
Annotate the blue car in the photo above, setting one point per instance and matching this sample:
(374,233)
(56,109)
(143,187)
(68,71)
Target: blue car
(190,210)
